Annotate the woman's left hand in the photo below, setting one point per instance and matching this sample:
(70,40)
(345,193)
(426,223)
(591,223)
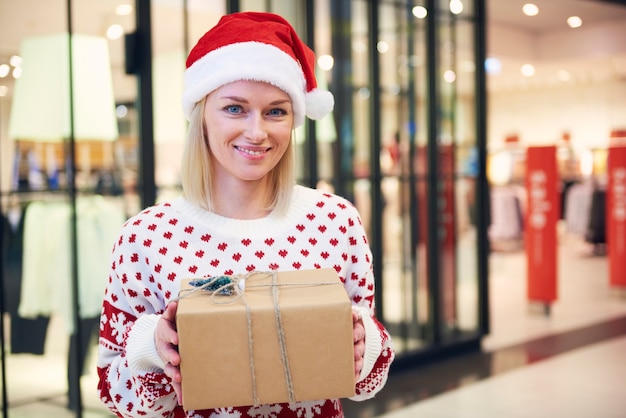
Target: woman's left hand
(358,333)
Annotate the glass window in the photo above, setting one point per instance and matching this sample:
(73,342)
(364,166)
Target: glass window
(63,162)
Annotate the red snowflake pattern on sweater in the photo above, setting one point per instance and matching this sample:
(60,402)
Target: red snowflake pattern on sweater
(172,241)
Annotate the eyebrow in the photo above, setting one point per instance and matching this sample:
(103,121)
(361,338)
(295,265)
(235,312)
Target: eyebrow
(242,100)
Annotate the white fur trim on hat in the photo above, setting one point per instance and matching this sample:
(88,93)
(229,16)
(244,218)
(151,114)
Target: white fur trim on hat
(254,61)
(319,103)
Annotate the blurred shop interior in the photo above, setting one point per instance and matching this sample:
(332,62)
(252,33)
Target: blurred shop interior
(429,144)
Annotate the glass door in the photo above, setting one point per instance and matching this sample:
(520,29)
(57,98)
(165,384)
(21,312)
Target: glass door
(407,80)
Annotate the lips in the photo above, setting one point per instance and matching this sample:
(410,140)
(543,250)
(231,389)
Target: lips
(253,152)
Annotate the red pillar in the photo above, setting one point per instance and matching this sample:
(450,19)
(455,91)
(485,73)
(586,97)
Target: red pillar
(616,215)
(540,223)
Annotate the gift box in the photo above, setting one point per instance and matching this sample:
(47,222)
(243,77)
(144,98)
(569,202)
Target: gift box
(285,337)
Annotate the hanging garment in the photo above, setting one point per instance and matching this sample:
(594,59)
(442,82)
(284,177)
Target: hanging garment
(27,335)
(47,257)
(506,214)
(578,208)
(596,228)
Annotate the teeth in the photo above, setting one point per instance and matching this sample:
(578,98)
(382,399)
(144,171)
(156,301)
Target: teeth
(248,151)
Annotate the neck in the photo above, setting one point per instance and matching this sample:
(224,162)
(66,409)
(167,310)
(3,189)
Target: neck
(243,200)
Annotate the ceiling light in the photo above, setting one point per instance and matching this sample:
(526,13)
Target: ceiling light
(530,9)
(449,76)
(574,22)
(419,12)
(115,31)
(326,62)
(4,70)
(15,60)
(493,66)
(527,70)
(456,7)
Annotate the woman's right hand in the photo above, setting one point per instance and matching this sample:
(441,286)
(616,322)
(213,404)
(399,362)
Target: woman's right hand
(166,340)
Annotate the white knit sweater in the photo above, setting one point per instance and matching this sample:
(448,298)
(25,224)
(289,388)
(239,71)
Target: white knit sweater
(171,241)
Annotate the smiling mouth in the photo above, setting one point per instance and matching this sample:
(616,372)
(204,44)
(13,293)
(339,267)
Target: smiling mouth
(250,151)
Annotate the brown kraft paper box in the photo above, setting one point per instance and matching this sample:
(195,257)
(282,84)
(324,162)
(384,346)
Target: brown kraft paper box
(316,322)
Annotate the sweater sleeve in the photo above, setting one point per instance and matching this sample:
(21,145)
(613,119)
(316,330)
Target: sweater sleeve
(359,283)
(131,378)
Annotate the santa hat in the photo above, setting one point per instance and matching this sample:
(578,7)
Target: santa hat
(260,47)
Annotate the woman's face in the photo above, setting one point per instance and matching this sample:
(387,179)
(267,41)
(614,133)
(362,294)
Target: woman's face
(248,126)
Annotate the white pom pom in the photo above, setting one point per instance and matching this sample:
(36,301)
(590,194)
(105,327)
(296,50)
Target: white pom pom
(242,285)
(319,103)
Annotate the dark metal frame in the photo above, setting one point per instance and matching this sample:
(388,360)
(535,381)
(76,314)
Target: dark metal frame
(376,231)
(143,31)
(74,378)
(482,192)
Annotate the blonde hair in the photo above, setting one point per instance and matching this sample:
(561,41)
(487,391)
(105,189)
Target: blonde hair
(196,168)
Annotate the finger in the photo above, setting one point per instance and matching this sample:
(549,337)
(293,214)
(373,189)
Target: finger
(167,342)
(359,350)
(358,366)
(170,335)
(179,392)
(358,332)
(174,357)
(173,372)
(170,312)
(166,337)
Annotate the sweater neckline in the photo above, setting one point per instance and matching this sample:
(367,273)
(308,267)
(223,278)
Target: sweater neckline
(303,199)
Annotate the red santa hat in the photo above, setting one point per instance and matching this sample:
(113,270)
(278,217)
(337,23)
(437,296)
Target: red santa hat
(261,47)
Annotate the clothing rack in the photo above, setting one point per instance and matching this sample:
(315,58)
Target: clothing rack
(28,196)
(83,326)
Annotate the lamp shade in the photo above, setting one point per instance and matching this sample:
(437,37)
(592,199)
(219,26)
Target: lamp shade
(40,110)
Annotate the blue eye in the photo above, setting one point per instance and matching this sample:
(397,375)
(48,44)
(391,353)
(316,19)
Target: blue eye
(233,109)
(277,112)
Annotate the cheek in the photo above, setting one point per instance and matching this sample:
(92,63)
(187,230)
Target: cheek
(286,137)
(284,147)
(217,137)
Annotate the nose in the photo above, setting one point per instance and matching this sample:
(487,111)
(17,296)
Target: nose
(256,131)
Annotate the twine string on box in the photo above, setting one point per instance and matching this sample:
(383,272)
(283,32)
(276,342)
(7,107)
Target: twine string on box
(281,340)
(235,286)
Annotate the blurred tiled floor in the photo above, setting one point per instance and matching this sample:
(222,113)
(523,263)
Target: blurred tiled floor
(585,382)
(568,364)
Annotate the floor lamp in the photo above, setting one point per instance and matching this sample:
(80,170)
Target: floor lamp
(42,110)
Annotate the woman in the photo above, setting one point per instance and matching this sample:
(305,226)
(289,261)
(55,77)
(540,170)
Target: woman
(249,82)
